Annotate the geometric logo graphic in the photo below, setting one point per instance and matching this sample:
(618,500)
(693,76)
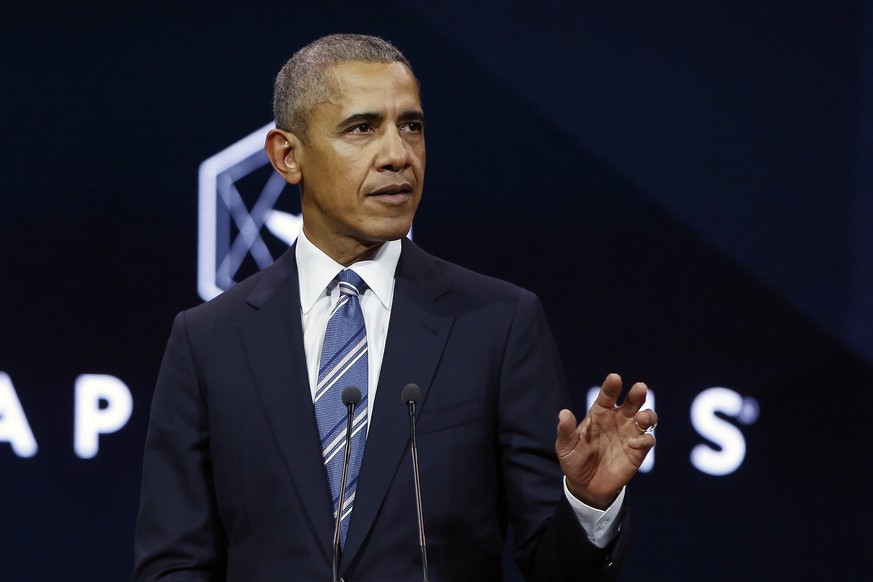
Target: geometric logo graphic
(247,215)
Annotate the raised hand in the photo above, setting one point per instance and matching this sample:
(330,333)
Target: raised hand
(605,450)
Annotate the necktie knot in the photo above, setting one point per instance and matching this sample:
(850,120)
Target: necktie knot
(350,283)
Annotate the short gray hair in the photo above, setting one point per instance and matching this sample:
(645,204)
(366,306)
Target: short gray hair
(303,83)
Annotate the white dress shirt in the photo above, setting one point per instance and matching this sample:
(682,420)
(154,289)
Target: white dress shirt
(319,293)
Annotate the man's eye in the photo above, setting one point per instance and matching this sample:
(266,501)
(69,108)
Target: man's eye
(361,128)
(412,126)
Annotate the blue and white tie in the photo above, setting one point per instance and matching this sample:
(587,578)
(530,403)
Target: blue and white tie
(343,364)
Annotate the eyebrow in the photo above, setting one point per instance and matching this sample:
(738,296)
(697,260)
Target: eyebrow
(359,118)
(356,118)
(412,115)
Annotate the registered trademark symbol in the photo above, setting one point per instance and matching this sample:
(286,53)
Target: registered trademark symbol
(750,411)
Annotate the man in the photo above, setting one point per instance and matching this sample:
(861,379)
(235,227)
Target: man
(240,473)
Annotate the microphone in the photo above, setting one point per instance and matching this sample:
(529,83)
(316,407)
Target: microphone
(351,397)
(410,396)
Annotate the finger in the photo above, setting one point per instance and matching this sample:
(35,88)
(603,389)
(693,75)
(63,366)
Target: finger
(566,430)
(609,391)
(634,400)
(646,419)
(644,442)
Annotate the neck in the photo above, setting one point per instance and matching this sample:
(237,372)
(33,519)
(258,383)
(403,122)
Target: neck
(346,252)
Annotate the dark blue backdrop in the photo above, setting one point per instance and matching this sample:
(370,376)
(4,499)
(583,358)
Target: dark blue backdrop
(697,174)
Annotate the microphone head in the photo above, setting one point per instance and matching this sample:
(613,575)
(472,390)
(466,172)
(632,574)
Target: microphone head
(411,393)
(352,395)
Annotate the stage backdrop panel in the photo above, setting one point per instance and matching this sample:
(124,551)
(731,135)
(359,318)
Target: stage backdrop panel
(687,188)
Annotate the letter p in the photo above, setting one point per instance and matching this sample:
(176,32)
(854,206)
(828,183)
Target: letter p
(103,406)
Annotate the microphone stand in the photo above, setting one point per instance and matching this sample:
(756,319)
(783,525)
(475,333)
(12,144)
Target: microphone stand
(351,397)
(411,395)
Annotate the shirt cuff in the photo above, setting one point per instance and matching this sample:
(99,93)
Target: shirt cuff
(601,526)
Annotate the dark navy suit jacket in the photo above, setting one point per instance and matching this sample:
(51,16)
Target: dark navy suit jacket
(234,486)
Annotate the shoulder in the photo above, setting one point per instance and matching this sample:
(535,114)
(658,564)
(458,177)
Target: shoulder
(461,281)
(251,294)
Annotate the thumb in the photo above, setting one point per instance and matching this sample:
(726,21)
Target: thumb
(567,436)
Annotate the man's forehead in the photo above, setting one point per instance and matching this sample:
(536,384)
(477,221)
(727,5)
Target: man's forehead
(368,69)
(355,80)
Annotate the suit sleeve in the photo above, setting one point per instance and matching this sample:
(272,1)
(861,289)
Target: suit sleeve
(550,544)
(178,534)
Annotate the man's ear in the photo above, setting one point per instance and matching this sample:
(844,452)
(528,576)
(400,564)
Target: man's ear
(282,147)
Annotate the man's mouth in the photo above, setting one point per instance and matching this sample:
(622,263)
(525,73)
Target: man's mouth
(392,189)
(393,194)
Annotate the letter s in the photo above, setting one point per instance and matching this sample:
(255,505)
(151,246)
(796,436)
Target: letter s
(724,434)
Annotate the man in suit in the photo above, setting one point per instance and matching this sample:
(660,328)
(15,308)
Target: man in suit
(237,484)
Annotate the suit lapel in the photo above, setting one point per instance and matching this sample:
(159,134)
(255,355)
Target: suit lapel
(273,341)
(416,338)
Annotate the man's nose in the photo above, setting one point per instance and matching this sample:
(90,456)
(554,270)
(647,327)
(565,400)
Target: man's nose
(393,152)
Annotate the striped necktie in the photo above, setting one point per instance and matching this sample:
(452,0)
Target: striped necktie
(343,364)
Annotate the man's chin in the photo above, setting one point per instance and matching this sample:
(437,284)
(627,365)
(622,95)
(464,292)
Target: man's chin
(390,230)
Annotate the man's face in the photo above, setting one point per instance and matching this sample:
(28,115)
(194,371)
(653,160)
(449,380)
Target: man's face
(362,163)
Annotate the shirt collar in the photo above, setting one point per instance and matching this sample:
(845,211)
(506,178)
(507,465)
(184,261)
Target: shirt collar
(317,272)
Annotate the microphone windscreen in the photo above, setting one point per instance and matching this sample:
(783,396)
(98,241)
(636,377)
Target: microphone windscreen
(411,393)
(352,395)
